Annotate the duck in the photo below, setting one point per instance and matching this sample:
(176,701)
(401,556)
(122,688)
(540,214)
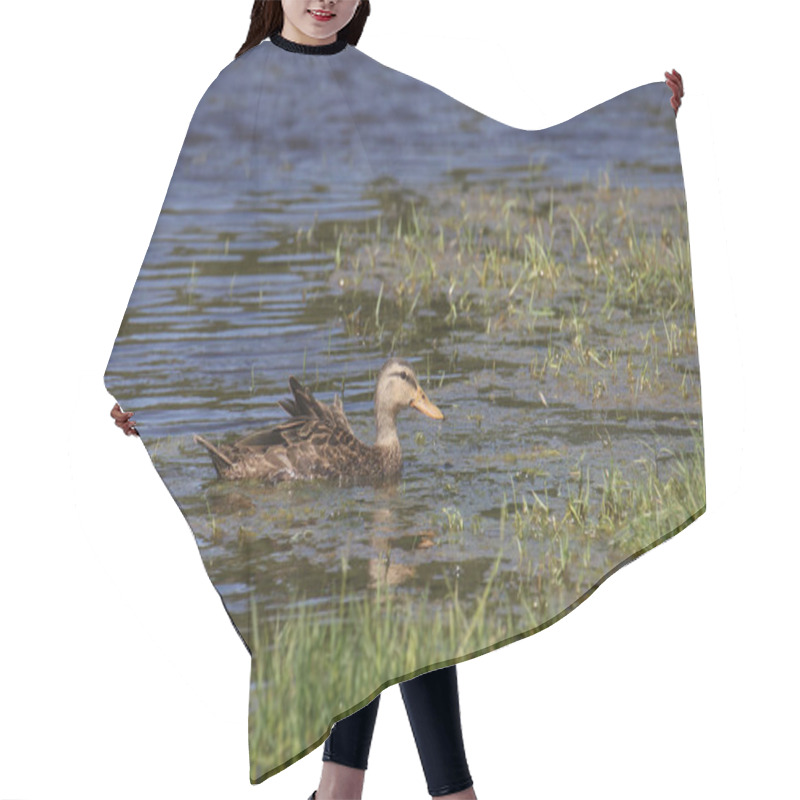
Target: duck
(317,442)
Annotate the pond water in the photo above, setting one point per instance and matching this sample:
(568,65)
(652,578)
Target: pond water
(549,372)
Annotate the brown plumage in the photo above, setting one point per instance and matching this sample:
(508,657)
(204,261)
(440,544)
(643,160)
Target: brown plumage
(317,440)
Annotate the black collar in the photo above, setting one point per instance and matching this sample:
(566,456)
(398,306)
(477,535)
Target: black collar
(310,49)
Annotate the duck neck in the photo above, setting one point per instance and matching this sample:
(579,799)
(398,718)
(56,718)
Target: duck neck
(386,430)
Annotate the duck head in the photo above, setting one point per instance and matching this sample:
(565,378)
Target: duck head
(397,388)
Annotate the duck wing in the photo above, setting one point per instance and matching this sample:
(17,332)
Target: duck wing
(306,405)
(301,448)
(316,441)
(305,409)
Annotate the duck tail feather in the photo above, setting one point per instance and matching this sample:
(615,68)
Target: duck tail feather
(221,461)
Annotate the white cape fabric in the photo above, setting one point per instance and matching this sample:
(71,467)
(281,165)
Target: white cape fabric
(328,214)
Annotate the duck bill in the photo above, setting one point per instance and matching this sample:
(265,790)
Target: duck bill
(421,403)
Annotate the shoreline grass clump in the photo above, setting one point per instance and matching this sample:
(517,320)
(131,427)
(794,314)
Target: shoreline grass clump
(310,669)
(602,272)
(514,257)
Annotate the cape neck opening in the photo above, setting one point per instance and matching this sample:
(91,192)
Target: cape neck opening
(309,49)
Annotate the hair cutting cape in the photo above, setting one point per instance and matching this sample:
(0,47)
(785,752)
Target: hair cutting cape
(328,215)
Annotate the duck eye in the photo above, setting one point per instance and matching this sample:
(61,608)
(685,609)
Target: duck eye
(404,376)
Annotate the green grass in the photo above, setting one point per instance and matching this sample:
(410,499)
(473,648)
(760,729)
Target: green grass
(603,272)
(308,667)
(468,252)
